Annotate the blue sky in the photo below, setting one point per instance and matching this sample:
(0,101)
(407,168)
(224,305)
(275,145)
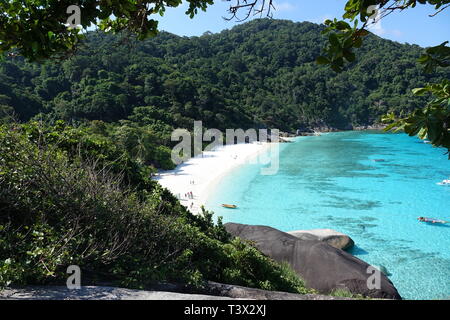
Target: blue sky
(411,26)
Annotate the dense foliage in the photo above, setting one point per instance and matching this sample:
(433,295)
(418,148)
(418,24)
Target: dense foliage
(432,121)
(82,194)
(64,201)
(345,37)
(41,29)
(260,74)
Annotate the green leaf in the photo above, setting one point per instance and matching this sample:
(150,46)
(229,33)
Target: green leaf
(322,60)
(424,58)
(419,91)
(334,40)
(342,25)
(349,56)
(358,43)
(35,46)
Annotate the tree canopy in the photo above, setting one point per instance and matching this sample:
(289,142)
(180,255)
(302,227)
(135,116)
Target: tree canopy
(430,121)
(39,29)
(259,74)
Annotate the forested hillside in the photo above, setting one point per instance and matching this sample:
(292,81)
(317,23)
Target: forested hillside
(258,74)
(80,191)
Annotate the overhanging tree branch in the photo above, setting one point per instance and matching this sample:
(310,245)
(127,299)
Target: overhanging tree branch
(254,7)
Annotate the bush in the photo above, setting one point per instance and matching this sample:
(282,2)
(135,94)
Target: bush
(59,207)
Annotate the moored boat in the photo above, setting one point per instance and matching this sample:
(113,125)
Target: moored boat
(229,206)
(432,220)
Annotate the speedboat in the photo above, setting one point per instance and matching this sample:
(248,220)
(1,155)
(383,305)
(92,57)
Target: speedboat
(431,220)
(444,182)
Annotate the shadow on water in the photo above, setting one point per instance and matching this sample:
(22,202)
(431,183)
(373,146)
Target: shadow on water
(437,225)
(330,182)
(351,203)
(357,251)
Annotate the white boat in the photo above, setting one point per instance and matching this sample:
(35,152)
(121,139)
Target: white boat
(444,182)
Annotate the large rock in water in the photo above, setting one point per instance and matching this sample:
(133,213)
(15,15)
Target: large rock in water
(333,238)
(321,266)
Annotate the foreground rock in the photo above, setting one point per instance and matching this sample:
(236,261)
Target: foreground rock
(238,292)
(333,238)
(216,291)
(96,293)
(322,266)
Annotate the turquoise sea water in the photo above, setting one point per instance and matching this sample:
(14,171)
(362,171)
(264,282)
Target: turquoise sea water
(331,181)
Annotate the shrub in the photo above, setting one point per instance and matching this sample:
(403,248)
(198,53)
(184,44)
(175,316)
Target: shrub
(59,207)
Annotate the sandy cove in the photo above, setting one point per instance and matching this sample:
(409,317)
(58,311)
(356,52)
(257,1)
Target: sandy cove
(199,175)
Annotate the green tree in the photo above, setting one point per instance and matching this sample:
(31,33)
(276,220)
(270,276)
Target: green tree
(430,122)
(37,29)
(60,206)
(166,82)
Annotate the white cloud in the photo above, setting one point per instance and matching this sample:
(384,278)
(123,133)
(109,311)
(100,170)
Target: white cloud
(397,33)
(375,21)
(377,28)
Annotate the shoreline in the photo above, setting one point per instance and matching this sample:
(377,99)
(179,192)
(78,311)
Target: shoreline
(206,171)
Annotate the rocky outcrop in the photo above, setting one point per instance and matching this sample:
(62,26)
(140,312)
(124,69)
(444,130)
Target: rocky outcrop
(384,270)
(378,126)
(322,266)
(238,292)
(96,293)
(213,291)
(309,131)
(285,140)
(333,238)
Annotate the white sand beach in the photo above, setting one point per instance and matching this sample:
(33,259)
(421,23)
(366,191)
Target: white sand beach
(199,175)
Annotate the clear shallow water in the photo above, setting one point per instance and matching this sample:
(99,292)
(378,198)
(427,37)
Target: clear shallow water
(331,182)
